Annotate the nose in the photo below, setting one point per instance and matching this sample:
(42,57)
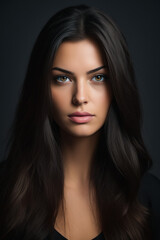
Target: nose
(80,93)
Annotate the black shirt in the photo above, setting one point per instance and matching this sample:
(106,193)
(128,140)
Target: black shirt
(57,236)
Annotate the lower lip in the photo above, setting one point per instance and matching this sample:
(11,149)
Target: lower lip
(82,119)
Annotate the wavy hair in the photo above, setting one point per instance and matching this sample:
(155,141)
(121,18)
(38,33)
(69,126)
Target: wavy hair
(33,180)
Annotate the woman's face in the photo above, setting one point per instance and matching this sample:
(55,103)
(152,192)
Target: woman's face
(80,84)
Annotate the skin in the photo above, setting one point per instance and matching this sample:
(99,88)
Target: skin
(81,92)
(71,93)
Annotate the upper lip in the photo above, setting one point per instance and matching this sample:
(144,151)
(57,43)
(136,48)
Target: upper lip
(81,114)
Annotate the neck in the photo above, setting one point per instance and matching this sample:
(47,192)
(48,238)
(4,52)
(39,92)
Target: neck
(78,153)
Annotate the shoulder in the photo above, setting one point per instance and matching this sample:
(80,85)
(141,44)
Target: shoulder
(149,191)
(150,178)
(149,196)
(3,176)
(3,165)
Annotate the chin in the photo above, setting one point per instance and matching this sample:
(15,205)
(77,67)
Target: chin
(86,132)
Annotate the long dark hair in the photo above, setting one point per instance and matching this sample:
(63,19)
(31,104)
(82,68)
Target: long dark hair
(33,181)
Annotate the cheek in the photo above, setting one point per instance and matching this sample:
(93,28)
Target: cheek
(60,99)
(103,98)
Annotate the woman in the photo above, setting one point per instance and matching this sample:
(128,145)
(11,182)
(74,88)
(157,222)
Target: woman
(76,154)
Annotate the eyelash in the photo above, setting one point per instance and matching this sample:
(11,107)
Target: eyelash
(105,77)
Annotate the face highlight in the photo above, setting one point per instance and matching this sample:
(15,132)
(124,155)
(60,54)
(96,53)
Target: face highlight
(80,84)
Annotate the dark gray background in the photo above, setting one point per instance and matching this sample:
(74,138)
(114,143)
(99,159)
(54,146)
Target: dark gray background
(21,22)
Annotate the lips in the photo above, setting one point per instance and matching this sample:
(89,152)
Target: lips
(80,114)
(81,117)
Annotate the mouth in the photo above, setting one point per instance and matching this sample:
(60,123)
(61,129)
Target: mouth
(81,119)
(80,114)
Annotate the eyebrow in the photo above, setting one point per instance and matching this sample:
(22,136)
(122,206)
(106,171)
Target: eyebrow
(71,73)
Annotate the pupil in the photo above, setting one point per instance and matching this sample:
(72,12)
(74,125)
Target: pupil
(63,78)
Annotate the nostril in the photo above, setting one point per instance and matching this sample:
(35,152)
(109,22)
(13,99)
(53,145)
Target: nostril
(78,102)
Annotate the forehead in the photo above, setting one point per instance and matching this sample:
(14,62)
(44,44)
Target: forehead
(83,54)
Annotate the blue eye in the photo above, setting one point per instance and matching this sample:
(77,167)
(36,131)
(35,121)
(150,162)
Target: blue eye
(99,78)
